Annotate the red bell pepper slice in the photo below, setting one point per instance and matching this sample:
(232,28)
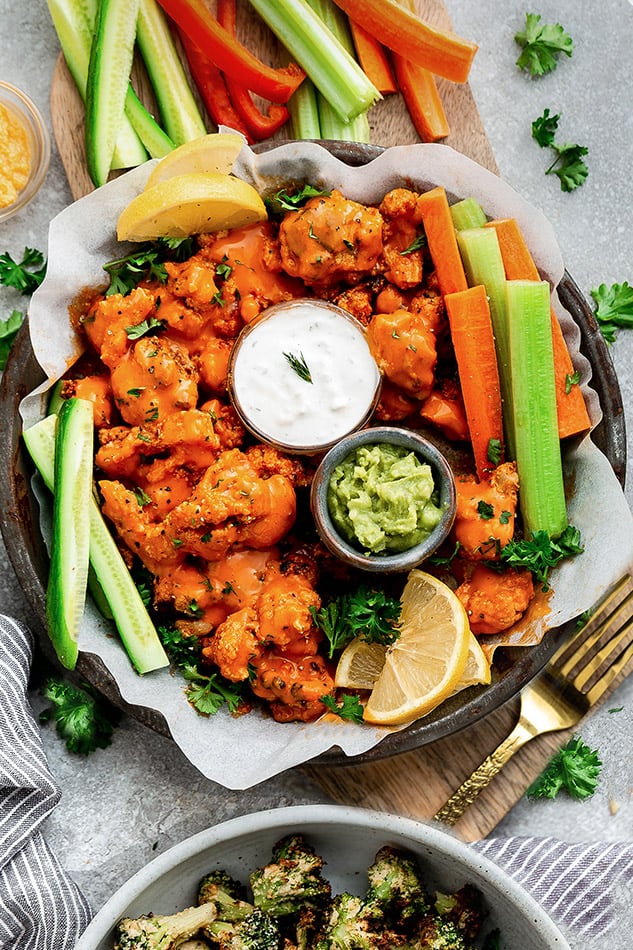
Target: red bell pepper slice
(212,88)
(259,124)
(194,19)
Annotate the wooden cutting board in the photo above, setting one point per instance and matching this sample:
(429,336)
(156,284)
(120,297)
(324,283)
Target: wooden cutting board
(415,784)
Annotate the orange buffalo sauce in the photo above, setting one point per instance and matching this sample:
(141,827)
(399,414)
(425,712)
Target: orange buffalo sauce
(15,156)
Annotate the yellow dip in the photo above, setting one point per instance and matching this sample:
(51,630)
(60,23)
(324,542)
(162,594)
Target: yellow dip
(15,156)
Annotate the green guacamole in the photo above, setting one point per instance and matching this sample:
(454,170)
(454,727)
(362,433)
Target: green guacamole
(382,499)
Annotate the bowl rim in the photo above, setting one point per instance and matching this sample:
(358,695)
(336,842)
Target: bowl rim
(39,140)
(19,526)
(332,816)
(444,480)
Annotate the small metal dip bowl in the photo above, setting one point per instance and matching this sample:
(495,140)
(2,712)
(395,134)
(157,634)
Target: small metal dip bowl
(28,115)
(444,484)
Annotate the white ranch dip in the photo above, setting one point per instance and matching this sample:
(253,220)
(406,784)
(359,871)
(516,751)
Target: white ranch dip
(274,399)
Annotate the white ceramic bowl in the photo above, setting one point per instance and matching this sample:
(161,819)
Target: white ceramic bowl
(348,839)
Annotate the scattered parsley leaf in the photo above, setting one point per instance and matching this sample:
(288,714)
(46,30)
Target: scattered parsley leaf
(569,166)
(614,308)
(544,128)
(574,768)
(25,275)
(8,332)
(571,379)
(494,451)
(485,510)
(541,45)
(144,328)
(81,718)
(541,553)
(350,707)
(284,200)
(615,709)
(207,694)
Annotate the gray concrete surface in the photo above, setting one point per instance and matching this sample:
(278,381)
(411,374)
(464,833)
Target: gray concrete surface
(123,805)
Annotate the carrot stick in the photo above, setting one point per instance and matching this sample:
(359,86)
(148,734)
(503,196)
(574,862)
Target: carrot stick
(422,99)
(573,417)
(434,210)
(374,59)
(474,345)
(442,52)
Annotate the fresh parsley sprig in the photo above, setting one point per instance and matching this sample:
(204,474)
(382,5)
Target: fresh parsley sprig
(365,613)
(348,706)
(614,308)
(574,768)
(541,45)
(208,693)
(540,553)
(82,719)
(285,200)
(25,275)
(146,263)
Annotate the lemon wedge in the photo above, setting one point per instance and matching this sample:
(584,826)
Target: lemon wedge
(477,671)
(360,664)
(214,153)
(427,661)
(190,204)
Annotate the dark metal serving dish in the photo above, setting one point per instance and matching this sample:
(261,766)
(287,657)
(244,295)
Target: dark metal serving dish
(20,520)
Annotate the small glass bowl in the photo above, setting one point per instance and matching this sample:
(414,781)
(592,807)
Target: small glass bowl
(29,116)
(444,482)
(275,401)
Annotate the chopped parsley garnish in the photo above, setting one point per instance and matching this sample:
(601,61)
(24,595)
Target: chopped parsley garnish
(207,694)
(494,451)
(541,45)
(485,510)
(415,245)
(571,379)
(283,200)
(146,263)
(350,707)
(367,613)
(145,328)
(541,553)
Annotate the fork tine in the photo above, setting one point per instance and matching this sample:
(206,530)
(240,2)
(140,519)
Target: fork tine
(589,644)
(601,663)
(574,649)
(600,687)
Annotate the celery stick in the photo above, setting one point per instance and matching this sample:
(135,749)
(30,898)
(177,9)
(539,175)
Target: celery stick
(304,112)
(178,108)
(467,213)
(332,126)
(333,71)
(538,455)
(483,264)
(74,22)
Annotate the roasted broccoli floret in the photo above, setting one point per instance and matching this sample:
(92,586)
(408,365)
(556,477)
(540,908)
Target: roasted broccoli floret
(258,931)
(292,879)
(438,933)
(355,924)
(465,908)
(396,885)
(226,894)
(162,932)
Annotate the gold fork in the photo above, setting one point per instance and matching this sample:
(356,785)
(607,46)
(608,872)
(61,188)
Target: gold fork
(575,678)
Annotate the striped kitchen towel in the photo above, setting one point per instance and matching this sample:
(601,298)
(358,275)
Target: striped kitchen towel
(40,906)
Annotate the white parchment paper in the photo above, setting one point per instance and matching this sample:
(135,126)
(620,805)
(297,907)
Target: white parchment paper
(241,752)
